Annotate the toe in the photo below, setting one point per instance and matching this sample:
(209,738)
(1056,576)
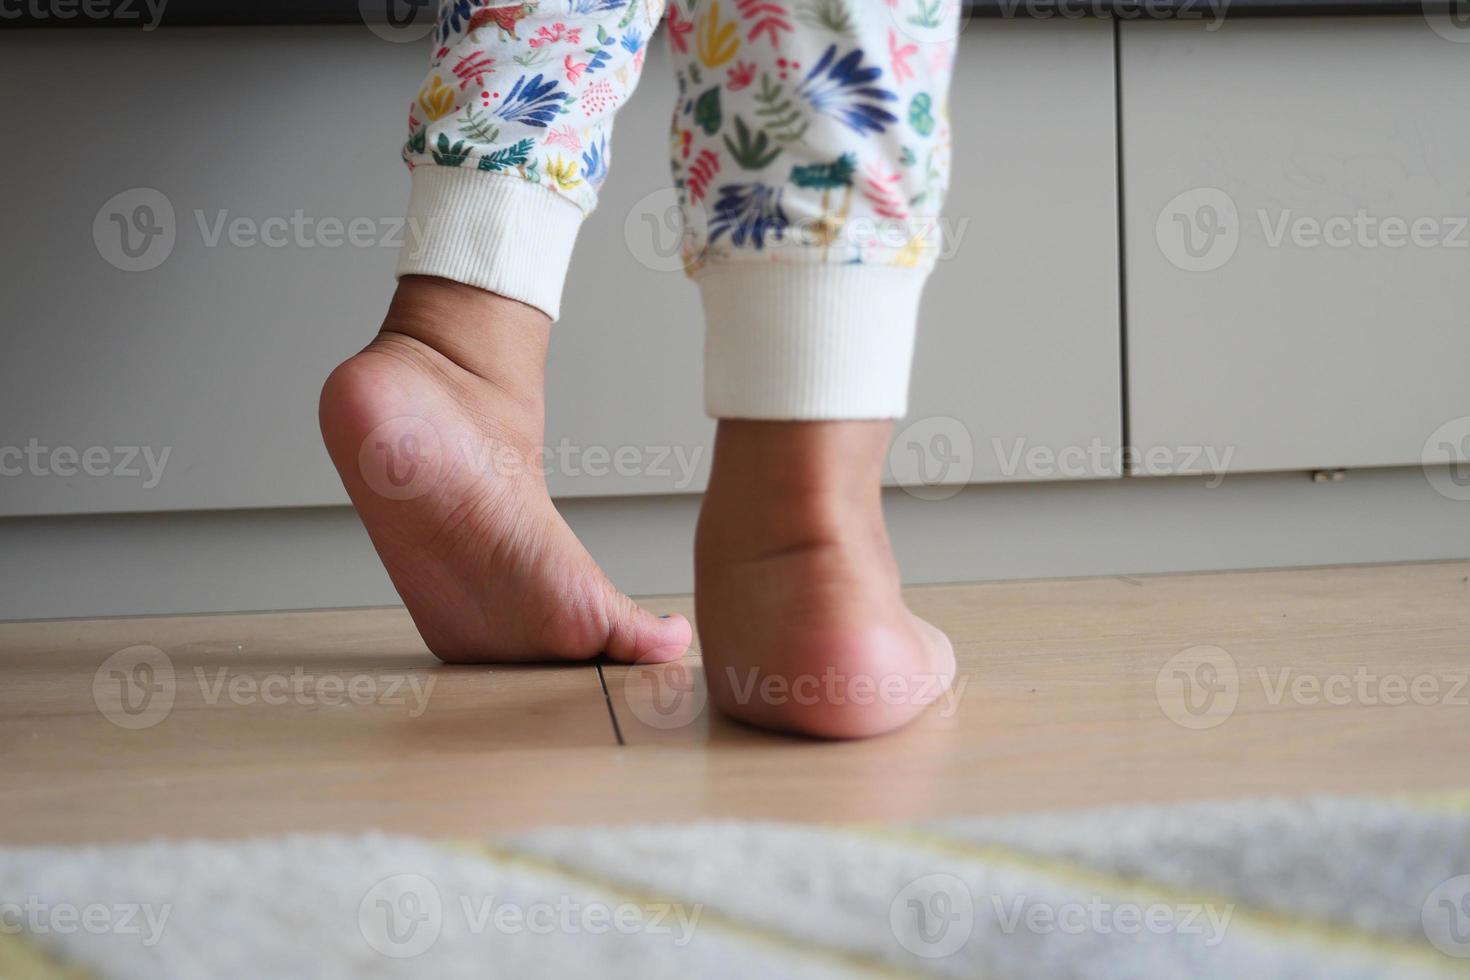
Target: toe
(940,650)
(642,637)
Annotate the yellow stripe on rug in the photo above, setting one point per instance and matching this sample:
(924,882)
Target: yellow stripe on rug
(1452,801)
(1146,891)
(22,959)
(771,940)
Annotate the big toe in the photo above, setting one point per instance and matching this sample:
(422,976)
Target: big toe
(638,636)
(940,654)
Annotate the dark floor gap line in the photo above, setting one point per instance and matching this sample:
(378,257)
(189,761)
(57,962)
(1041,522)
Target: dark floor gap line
(611,713)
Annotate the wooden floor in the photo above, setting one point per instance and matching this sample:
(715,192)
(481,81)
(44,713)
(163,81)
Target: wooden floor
(1070,691)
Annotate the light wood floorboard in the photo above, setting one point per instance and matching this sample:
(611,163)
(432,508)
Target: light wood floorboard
(1059,708)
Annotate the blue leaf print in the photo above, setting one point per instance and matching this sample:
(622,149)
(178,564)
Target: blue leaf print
(632,41)
(600,58)
(749,212)
(844,90)
(597,6)
(532,102)
(451,14)
(594,163)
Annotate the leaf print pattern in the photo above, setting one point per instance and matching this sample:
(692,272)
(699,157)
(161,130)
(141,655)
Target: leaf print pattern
(532,102)
(832,134)
(529,90)
(805,130)
(750,213)
(843,88)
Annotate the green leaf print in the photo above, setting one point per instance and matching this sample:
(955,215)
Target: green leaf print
(929,13)
(830,15)
(707,111)
(478,127)
(751,151)
(921,114)
(826,176)
(418,140)
(782,116)
(511,156)
(450,156)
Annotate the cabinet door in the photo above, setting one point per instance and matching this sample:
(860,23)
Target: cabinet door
(1019,348)
(215,356)
(1298,263)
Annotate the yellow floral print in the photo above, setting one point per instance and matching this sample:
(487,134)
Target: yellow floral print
(436,99)
(718,41)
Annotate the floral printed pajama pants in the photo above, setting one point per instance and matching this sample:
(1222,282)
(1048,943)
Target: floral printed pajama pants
(810,149)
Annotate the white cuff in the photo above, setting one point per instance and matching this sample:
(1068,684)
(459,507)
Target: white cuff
(500,233)
(803,342)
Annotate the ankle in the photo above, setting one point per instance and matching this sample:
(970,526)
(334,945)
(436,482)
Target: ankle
(796,482)
(496,340)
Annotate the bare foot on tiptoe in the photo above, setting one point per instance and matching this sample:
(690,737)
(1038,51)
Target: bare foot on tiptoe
(801,621)
(436,429)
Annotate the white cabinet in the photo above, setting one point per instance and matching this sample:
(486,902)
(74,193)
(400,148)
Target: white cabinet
(1296,195)
(216,355)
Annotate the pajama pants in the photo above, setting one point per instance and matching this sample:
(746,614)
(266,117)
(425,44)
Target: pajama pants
(810,150)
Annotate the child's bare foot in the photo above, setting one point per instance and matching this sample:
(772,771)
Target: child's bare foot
(436,429)
(801,621)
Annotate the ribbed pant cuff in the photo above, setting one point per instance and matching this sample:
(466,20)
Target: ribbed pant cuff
(804,342)
(499,233)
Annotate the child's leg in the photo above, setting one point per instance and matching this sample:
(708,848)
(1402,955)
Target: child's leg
(811,150)
(436,428)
